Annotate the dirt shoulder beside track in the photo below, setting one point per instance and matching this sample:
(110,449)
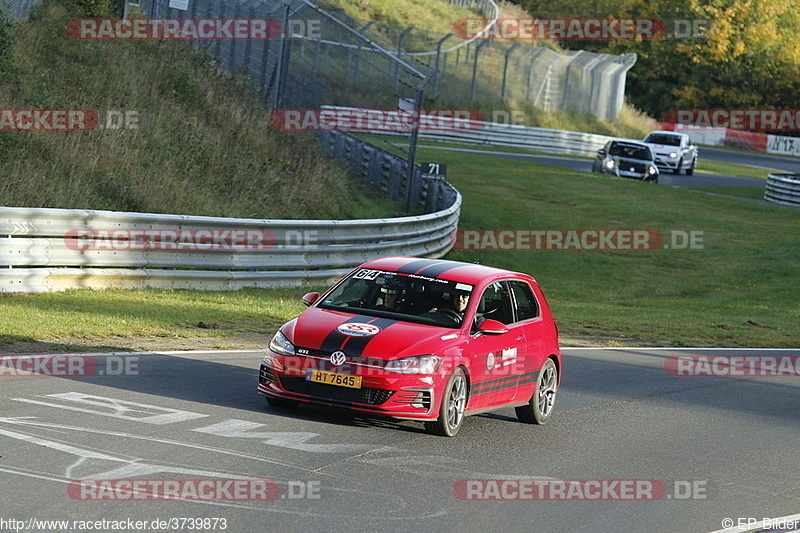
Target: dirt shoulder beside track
(239,341)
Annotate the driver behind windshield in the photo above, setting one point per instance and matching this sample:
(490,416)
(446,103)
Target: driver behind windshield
(458,303)
(393,296)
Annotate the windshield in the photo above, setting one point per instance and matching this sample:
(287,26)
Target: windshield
(660,138)
(407,297)
(631,151)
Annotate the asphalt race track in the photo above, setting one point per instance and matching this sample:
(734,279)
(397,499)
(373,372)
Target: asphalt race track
(697,449)
(771,163)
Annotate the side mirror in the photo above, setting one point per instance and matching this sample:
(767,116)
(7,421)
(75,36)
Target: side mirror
(492,327)
(601,151)
(310,298)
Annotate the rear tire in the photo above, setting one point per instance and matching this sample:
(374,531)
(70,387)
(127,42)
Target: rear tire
(451,411)
(540,407)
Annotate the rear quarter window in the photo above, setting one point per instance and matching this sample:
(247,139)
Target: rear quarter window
(525,301)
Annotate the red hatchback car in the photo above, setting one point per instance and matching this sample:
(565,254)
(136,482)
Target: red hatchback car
(420,339)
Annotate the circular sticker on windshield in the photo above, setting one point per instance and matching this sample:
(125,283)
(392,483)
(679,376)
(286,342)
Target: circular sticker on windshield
(358,329)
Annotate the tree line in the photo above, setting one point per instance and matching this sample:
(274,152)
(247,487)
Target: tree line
(746,54)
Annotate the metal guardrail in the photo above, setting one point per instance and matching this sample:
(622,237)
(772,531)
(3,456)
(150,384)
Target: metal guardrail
(783,189)
(544,139)
(42,249)
(55,249)
(386,173)
(486,133)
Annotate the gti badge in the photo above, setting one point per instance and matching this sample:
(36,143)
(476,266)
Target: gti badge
(337,358)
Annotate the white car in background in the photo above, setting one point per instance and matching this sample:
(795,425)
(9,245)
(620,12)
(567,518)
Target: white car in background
(672,151)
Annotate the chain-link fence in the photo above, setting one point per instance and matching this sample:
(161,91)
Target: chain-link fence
(18,9)
(321,57)
(485,72)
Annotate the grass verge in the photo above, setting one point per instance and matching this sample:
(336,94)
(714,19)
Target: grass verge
(730,169)
(87,320)
(202,144)
(394,144)
(756,193)
(741,289)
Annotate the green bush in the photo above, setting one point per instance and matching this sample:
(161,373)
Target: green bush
(96,8)
(8,36)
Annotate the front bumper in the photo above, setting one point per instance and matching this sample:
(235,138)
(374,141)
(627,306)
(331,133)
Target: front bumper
(406,397)
(629,174)
(664,162)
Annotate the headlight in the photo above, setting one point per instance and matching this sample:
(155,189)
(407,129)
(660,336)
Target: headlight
(651,169)
(609,163)
(419,364)
(673,155)
(281,345)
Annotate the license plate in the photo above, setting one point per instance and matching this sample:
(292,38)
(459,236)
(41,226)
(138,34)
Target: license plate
(627,173)
(331,378)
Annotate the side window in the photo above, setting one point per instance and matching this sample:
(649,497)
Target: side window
(496,303)
(527,306)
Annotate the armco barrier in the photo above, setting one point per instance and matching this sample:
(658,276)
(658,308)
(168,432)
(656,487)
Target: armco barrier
(486,133)
(55,249)
(783,189)
(543,139)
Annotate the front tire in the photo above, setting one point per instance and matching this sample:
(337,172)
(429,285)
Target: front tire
(690,170)
(540,407)
(679,168)
(451,411)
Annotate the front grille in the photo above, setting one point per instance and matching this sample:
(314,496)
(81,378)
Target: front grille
(636,166)
(364,395)
(351,359)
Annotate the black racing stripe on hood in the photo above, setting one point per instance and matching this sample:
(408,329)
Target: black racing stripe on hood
(415,266)
(334,340)
(354,346)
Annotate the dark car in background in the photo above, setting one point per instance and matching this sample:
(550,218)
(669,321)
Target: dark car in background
(626,159)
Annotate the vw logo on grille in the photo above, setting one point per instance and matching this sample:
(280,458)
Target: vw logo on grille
(337,358)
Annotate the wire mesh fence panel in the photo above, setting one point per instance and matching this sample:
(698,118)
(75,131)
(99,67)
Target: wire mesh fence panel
(487,72)
(18,9)
(321,57)
(318,56)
